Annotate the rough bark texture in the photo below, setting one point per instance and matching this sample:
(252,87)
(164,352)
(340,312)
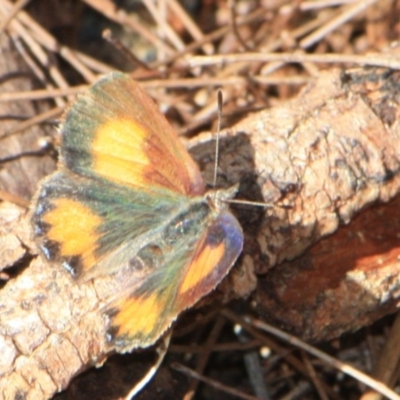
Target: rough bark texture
(329,154)
(319,159)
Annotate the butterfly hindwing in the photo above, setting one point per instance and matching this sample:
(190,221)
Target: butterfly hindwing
(212,258)
(188,274)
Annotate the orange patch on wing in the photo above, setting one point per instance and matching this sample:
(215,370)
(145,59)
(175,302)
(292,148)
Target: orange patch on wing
(138,316)
(202,265)
(73,226)
(118,152)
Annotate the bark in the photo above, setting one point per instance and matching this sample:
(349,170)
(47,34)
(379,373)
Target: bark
(324,157)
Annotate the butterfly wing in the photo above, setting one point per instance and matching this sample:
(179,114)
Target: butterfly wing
(191,272)
(122,169)
(94,227)
(116,132)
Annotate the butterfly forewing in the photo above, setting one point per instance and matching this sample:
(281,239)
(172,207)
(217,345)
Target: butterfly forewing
(126,140)
(92,227)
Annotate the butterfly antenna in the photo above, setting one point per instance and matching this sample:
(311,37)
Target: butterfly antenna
(231,201)
(220,102)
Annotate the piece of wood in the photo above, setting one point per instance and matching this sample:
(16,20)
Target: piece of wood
(329,154)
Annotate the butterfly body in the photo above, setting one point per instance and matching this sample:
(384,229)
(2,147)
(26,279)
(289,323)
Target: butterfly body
(127,195)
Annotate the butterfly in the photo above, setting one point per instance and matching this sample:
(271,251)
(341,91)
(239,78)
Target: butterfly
(127,195)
